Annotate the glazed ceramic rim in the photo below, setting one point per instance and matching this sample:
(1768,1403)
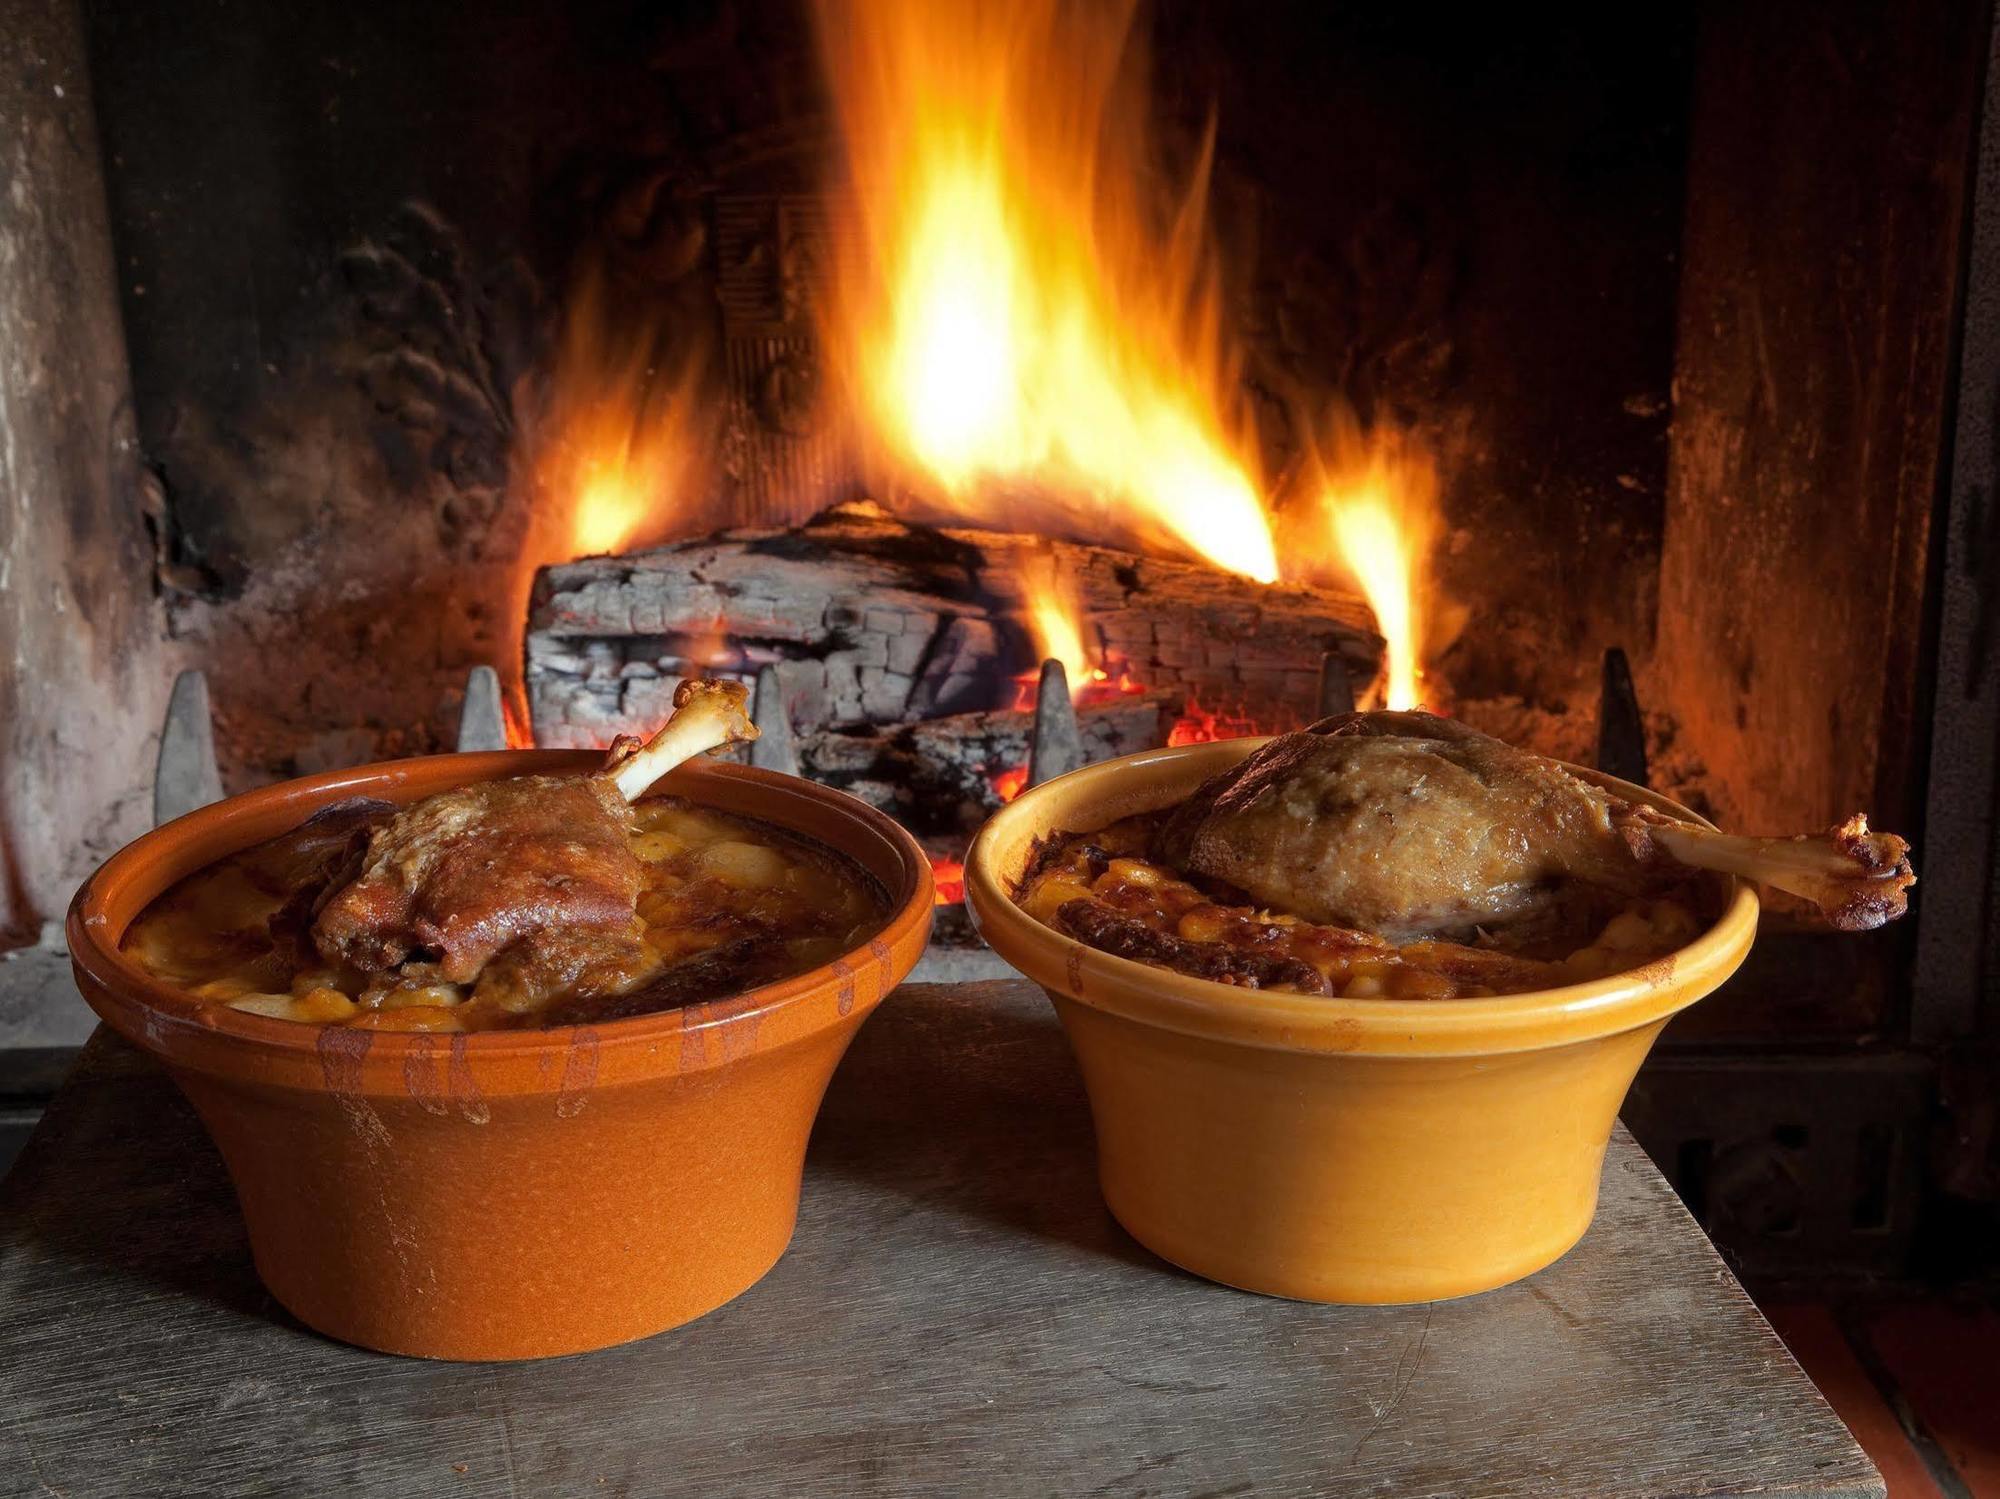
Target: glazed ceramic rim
(169,1021)
(1102,793)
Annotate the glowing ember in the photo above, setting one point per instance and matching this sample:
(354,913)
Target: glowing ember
(1116,682)
(1199,725)
(1009,784)
(1020,325)
(948,875)
(1098,685)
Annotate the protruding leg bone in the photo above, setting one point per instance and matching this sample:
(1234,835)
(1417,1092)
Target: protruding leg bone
(706,714)
(1858,879)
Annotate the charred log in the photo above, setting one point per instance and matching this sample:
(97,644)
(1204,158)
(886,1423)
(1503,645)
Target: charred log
(869,620)
(940,773)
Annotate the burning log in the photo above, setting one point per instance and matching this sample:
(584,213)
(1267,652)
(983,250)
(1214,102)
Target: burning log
(867,620)
(959,768)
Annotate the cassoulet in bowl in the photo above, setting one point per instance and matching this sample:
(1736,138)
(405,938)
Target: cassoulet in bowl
(1292,1106)
(478,1170)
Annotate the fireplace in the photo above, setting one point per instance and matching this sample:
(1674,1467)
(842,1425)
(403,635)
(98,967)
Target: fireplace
(627,196)
(1606,371)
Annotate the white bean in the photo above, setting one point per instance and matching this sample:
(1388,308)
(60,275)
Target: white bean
(749,866)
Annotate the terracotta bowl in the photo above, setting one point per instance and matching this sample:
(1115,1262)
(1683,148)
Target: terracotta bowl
(1345,1150)
(508,1194)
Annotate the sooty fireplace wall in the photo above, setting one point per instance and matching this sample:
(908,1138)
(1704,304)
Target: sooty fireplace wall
(1674,301)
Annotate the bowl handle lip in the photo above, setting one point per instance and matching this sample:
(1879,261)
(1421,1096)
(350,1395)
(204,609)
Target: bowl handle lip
(1305,1023)
(160,1018)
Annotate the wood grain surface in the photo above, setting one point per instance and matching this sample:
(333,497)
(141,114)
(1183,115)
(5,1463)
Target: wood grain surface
(957,1314)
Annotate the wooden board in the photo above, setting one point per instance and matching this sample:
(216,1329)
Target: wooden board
(957,1314)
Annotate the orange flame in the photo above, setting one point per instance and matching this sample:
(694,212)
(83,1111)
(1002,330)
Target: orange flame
(949,877)
(607,456)
(1055,621)
(1377,507)
(1021,325)
(613,454)
(1024,336)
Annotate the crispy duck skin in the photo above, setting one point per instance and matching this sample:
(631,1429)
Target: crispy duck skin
(522,867)
(1411,826)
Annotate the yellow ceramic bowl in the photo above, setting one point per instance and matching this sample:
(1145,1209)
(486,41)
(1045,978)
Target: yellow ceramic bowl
(1350,1150)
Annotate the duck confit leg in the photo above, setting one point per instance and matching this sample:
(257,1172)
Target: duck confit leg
(458,878)
(1411,826)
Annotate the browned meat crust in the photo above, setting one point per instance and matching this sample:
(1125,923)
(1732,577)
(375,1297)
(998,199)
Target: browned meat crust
(464,875)
(1859,879)
(1058,849)
(536,867)
(1133,937)
(721,971)
(318,849)
(561,960)
(310,862)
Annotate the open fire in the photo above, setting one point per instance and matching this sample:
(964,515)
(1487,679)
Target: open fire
(613,451)
(1022,334)
(1030,339)
(1021,328)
